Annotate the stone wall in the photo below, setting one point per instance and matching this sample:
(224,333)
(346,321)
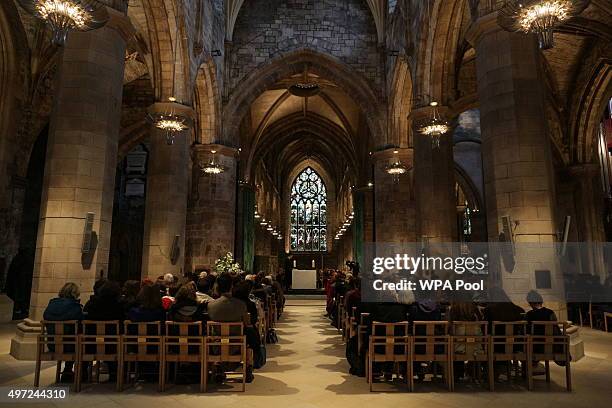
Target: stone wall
(343,29)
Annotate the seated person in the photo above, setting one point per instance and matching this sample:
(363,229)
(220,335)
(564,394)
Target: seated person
(106,304)
(227,308)
(230,309)
(242,291)
(538,312)
(148,306)
(203,295)
(65,307)
(129,293)
(186,307)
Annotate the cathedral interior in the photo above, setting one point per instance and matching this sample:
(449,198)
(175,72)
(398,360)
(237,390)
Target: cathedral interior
(293,132)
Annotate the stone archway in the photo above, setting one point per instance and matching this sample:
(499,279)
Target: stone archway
(293,63)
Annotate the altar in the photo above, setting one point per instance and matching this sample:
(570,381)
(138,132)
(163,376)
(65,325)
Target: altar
(304,279)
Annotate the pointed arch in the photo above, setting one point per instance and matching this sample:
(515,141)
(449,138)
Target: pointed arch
(207,103)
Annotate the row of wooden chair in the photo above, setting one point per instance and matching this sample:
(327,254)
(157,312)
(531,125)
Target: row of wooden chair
(446,343)
(88,342)
(443,343)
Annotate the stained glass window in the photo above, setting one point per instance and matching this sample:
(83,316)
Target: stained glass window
(308,212)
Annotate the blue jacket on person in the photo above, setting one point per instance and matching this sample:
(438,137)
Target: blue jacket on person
(63,309)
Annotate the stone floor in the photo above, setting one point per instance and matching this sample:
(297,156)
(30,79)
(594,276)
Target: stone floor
(307,369)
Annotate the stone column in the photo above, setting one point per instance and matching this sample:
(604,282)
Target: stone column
(516,154)
(166,200)
(212,218)
(434,183)
(245,231)
(394,207)
(80,168)
(589,217)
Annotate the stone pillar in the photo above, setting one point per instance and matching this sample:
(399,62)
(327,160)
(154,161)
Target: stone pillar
(211,220)
(394,207)
(516,154)
(245,231)
(359,202)
(434,183)
(166,200)
(80,168)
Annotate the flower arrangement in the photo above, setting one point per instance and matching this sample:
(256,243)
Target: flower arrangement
(227,264)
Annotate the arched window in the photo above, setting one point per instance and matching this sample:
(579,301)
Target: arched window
(308,212)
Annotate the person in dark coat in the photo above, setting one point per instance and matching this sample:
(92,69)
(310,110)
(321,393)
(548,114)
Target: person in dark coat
(65,307)
(106,304)
(129,292)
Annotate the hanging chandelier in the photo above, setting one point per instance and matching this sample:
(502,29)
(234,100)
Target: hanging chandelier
(435,126)
(211,167)
(539,17)
(65,15)
(169,122)
(396,168)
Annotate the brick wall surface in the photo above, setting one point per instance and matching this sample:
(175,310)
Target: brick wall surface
(341,28)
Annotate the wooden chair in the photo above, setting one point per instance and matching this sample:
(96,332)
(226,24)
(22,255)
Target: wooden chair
(362,330)
(607,315)
(469,343)
(183,342)
(549,341)
(58,341)
(509,343)
(431,344)
(99,341)
(389,343)
(141,342)
(225,343)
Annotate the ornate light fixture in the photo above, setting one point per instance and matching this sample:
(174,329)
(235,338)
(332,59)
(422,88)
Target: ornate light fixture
(211,167)
(539,17)
(169,122)
(435,126)
(65,15)
(396,168)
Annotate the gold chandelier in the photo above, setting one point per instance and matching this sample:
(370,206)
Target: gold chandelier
(539,17)
(214,168)
(435,126)
(65,15)
(396,168)
(170,122)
